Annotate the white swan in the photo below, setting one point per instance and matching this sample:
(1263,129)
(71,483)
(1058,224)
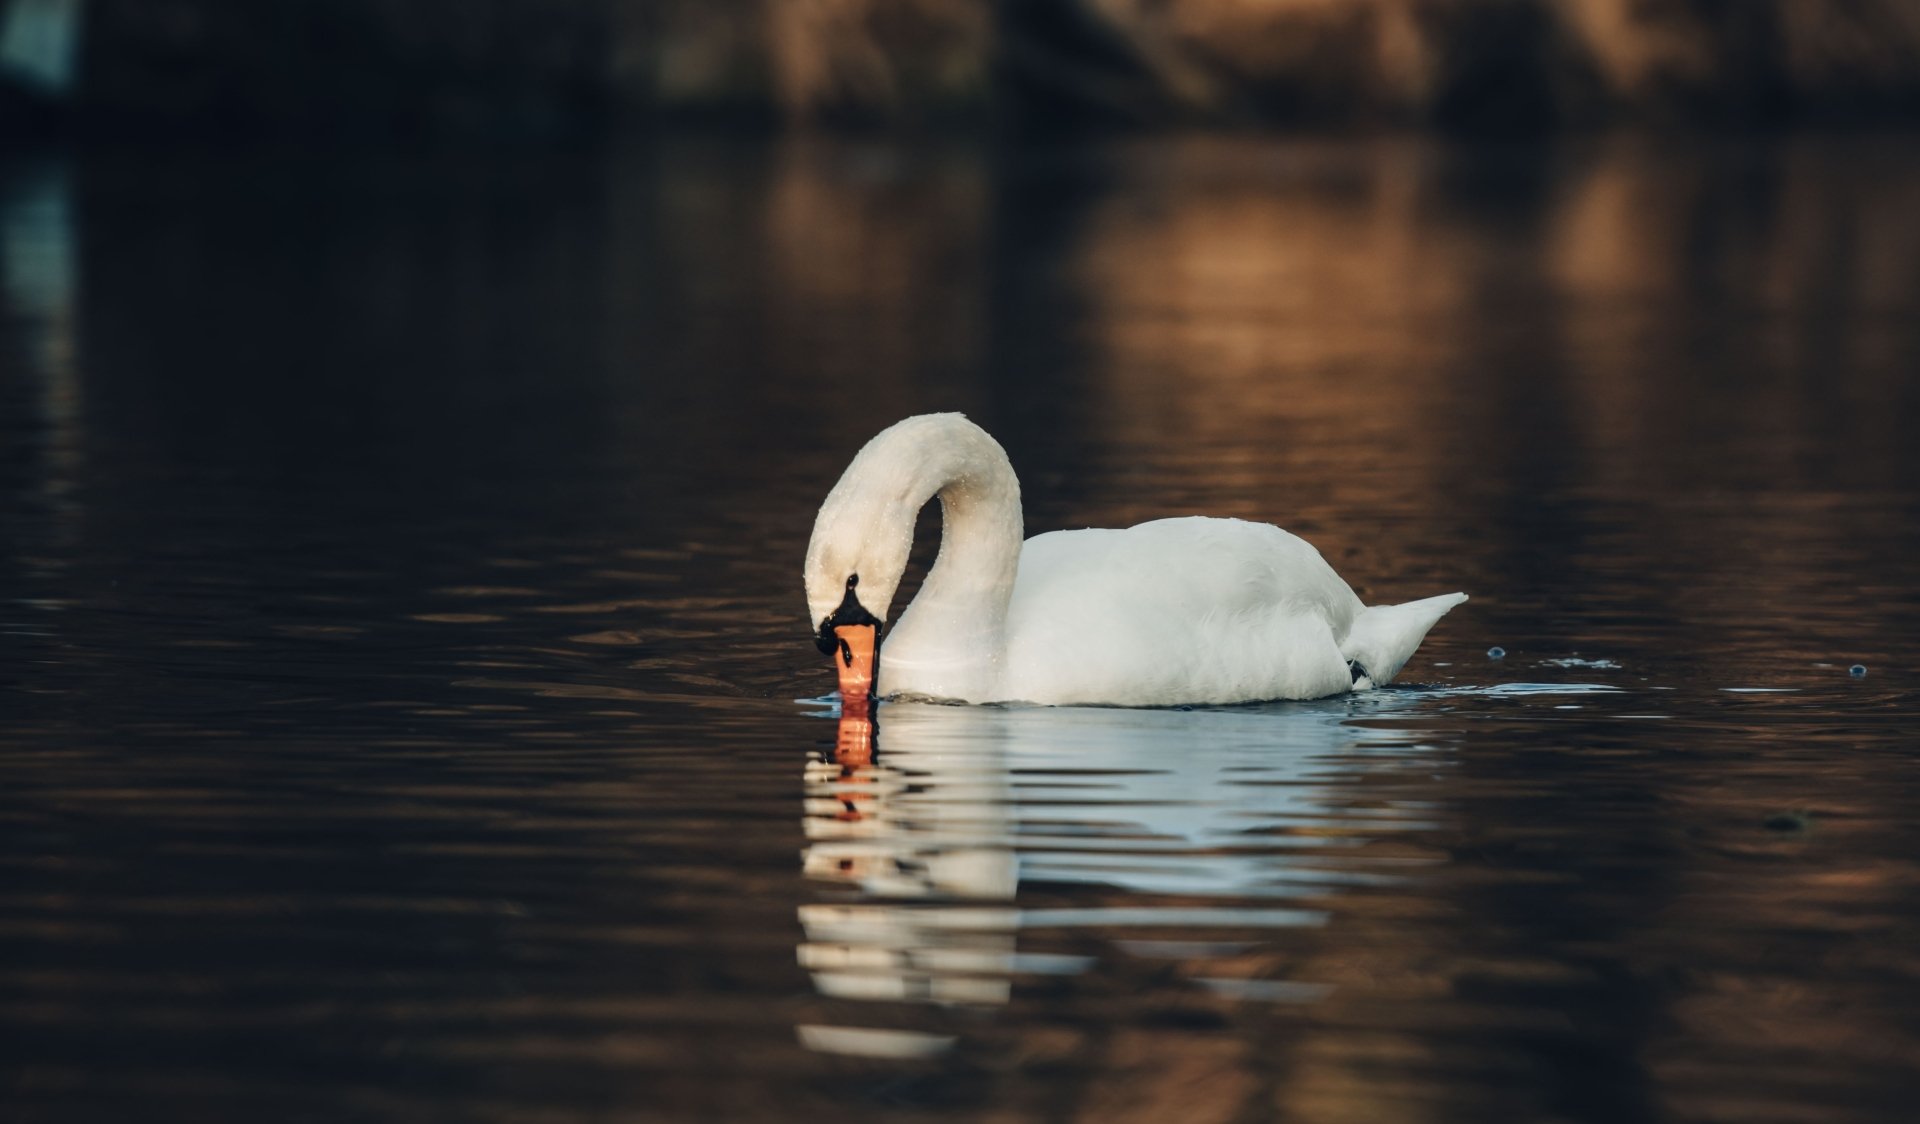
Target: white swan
(1176,611)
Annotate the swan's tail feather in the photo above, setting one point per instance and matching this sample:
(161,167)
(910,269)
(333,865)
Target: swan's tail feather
(1384,637)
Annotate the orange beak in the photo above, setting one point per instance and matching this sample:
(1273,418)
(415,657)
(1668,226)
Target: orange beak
(857,659)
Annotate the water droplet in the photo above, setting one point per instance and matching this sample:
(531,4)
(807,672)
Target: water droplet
(1496,653)
(1858,671)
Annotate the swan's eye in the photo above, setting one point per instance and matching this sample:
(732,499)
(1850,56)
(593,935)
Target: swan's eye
(852,580)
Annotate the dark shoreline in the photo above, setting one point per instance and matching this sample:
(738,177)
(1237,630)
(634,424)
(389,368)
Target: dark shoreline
(580,70)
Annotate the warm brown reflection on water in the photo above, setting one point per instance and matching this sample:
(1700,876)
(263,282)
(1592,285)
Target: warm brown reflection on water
(402,631)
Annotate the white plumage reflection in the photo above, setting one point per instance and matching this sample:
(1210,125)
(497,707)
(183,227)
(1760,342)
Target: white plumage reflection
(1143,829)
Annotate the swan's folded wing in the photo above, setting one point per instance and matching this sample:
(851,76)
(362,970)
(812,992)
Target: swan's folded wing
(1188,610)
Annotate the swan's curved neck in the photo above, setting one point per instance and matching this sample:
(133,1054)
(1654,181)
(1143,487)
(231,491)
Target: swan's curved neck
(964,600)
(948,642)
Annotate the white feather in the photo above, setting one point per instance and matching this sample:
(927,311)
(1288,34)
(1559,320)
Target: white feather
(1171,612)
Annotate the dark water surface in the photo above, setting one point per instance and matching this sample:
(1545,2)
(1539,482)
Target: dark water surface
(401,636)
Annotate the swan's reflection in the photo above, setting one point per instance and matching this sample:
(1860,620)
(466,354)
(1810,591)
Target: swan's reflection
(926,833)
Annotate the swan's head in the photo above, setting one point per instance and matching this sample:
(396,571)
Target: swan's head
(855,560)
(849,633)
(854,564)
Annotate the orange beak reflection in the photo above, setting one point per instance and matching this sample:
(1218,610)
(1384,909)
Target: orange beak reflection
(857,659)
(853,749)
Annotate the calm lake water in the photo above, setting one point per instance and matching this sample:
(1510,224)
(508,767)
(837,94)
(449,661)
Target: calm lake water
(408,711)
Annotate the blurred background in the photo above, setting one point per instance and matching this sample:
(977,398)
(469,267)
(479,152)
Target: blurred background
(566,67)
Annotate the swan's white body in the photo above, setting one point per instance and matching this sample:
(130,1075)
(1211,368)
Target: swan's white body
(1176,611)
